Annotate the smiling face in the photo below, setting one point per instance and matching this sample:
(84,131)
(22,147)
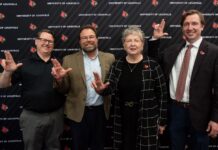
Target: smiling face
(133,44)
(88,40)
(192,28)
(44,43)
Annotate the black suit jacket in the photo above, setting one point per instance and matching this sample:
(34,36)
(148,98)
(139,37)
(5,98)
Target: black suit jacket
(204,82)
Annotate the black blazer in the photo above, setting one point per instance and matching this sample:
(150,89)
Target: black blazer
(204,82)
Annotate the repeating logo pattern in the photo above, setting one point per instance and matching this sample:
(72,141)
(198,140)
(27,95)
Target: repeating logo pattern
(21,20)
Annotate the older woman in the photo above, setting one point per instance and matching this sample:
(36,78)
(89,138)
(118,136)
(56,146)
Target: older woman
(140,95)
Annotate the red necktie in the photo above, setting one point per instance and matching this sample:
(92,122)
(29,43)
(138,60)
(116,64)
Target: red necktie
(183,74)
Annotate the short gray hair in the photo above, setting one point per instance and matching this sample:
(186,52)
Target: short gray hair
(133,29)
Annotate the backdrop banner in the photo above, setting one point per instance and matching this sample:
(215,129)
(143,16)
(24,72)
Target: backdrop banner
(20,20)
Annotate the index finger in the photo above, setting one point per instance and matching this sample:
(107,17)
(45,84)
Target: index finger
(8,55)
(96,76)
(55,62)
(162,23)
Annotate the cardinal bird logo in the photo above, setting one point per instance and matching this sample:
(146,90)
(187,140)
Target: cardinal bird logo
(94,25)
(4,130)
(125,14)
(32,49)
(63,14)
(32,3)
(4,107)
(64,38)
(215,25)
(2,16)
(32,27)
(154,2)
(2,39)
(94,3)
(215,2)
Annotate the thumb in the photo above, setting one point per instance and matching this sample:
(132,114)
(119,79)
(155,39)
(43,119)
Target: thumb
(19,64)
(208,128)
(165,34)
(161,131)
(107,84)
(68,70)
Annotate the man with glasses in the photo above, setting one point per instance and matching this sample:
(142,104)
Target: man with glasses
(41,120)
(84,108)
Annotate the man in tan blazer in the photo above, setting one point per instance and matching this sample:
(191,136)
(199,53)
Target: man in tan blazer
(84,108)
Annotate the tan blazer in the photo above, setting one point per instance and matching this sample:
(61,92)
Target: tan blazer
(75,87)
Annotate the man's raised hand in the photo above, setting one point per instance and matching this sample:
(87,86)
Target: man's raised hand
(8,63)
(97,84)
(58,71)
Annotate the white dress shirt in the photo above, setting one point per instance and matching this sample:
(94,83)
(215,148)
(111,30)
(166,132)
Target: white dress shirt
(90,66)
(174,75)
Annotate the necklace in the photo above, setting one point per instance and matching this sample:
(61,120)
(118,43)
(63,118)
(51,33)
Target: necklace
(132,68)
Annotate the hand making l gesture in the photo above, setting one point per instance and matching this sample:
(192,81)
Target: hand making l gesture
(159,30)
(97,84)
(58,71)
(9,64)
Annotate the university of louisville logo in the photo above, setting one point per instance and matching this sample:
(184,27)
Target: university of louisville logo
(2,39)
(32,27)
(4,130)
(63,14)
(215,25)
(32,3)
(215,2)
(4,107)
(94,25)
(64,38)
(154,2)
(2,16)
(94,3)
(125,14)
(32,49)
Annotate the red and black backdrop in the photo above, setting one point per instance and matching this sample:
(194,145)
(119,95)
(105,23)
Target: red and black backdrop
(20,20)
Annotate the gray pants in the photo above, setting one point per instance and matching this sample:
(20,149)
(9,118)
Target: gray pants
(41,130)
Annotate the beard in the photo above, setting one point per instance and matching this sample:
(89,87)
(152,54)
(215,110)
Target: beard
(91,48)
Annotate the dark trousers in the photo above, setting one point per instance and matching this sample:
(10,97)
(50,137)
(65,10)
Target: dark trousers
(89,133)
(180,127)
(41,130)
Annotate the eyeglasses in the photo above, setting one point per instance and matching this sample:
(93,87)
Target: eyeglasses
(46,41)
(91,37)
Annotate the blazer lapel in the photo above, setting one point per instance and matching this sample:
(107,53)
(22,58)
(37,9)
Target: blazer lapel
(202,52)
(102,63)
(80,62)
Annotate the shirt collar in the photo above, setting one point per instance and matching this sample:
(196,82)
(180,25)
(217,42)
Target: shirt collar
(85,54)
(196,44)
(35,56)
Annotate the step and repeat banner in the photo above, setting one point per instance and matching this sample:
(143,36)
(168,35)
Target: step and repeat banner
(20,20)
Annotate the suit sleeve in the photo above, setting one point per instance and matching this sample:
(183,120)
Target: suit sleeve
(214,116)
(153,49)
